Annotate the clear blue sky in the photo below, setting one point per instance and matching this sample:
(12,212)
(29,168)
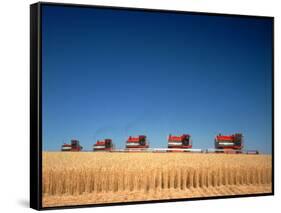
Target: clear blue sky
(111,74)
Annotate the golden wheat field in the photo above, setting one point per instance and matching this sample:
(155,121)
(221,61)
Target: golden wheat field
(91,178)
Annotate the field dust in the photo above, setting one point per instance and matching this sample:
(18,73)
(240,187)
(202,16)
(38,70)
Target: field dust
(78,178)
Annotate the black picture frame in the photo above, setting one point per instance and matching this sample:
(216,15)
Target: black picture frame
(36,104)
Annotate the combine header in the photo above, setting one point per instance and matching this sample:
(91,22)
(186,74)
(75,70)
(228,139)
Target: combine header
(105,145)
(137,143)
(73,147)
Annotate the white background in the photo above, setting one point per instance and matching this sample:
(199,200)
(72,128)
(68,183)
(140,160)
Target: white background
(14,105)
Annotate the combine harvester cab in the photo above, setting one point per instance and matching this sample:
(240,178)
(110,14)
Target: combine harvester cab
(138,143)
(232,144)
(181,143)
(105,145)
(73,147)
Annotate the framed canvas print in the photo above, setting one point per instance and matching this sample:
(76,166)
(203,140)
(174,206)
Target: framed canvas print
(133,105)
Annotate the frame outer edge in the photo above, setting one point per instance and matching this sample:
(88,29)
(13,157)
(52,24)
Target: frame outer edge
(35,110)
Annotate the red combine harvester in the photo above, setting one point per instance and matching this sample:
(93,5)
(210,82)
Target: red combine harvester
(105,145)
(139,142)
(73,147)
(229,143)
(176,143)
